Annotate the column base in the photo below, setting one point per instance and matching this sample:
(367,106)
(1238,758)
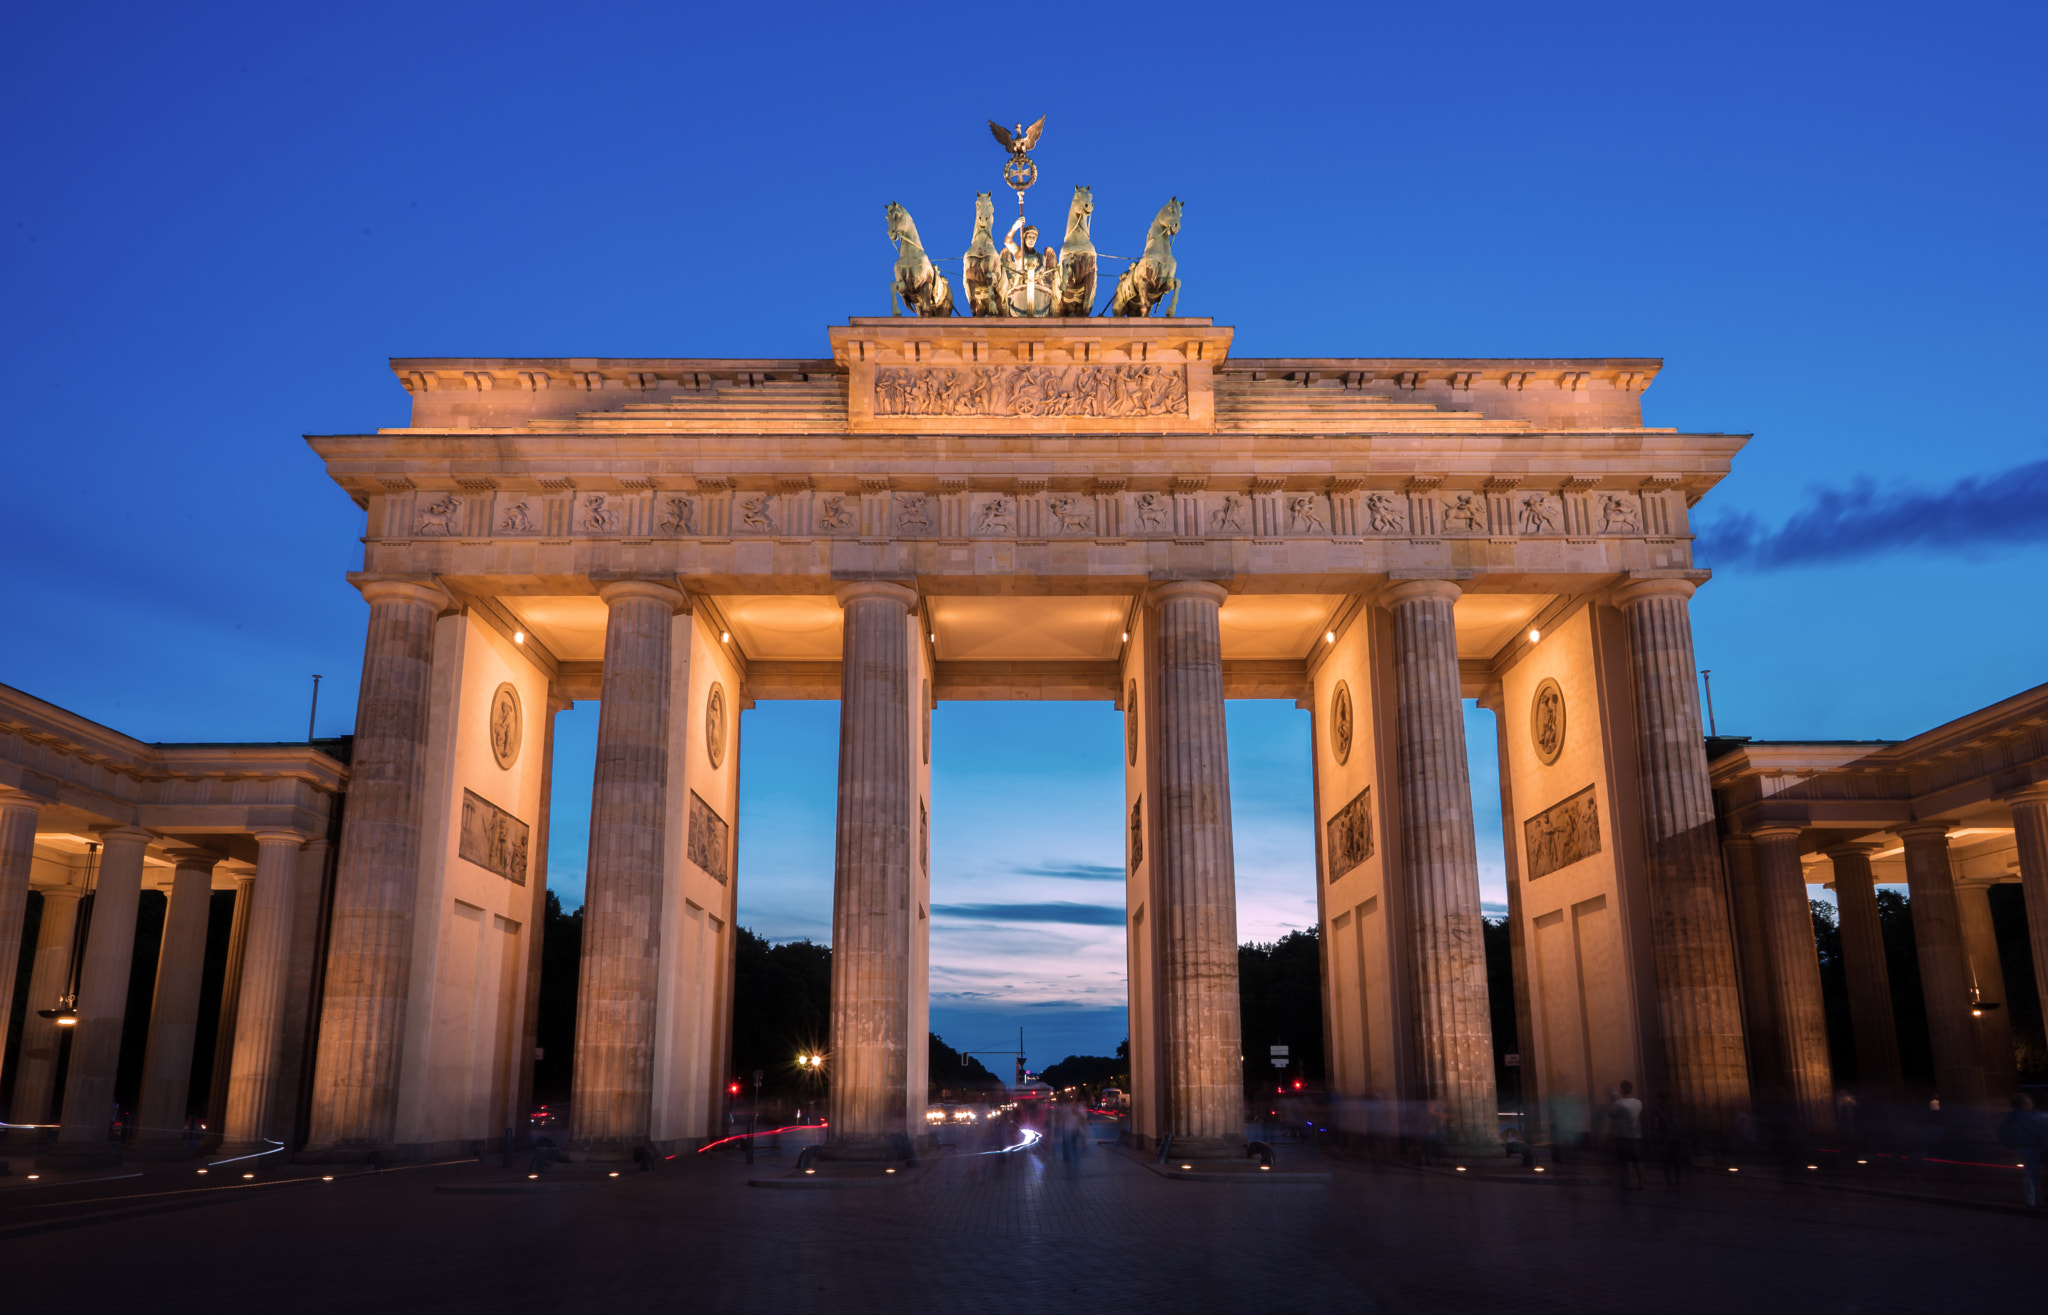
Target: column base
(1206,1148)
(162,1152)
(71,1159)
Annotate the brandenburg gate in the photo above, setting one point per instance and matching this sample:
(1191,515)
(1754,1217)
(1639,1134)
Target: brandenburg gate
(1016,507)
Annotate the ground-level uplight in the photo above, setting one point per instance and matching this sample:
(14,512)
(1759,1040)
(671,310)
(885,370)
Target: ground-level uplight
(615,1173)
(326,1177)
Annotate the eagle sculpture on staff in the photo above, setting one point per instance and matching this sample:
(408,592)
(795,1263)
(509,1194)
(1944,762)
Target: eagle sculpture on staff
(1020,172)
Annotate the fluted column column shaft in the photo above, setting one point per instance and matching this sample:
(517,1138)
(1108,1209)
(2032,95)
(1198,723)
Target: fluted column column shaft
(254,1080)
(103,993)
(874,847)
(230,1004)
(1197,877)
(17,855)
(1863,964)
(174,1009)
(1795,976)
(35,1080)
(1440,865)
(1987,977)
(613,1089)
(1944,971)
(1698,1002)
(369,957)
(2030,832)
(1753,963)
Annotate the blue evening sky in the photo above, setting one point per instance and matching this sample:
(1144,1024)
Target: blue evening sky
(219,220)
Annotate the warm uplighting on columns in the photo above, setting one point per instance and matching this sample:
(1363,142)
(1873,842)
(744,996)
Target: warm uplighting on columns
(1535,636)
(519,636)
(1329,636)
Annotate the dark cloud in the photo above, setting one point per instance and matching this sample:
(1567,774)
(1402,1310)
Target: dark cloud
(1840,524)
(1075,872)
(1086,915)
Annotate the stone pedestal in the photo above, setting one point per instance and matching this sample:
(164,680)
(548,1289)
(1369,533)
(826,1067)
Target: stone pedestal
(18,815)
(1440,868)
(174,1011)
(1987,987)
(610,1105)
(35,1080)
(255,1079)
(83,1141)
(1806,1102)
(2030,833)
(1697,998)
(1863,964)
(1944,969)
(874,849)
(376,886)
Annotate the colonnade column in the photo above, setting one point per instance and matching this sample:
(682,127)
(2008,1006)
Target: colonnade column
(1987,981)
(102,1005)
(610,1106)
(1741,864)
(1863,964)
(1795,978)
(369,957)
(35,1075)
(18,813)
(1697,999)
(230,1005)
(2030,832)
(174,1010)
(1440,865)
(875,847)
(1944,971)
(253,1081)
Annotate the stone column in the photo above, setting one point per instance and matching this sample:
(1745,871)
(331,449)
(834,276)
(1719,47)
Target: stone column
(1808,1096)
(102,1006)
(1753,964)
(610,1105)
(18,813)
(2030,833)
(369,957)
(308,902)
(230,1005)
(1698,1003)
(174,1010)
(35,1079)
(1863,964)
(1987,979)
(874,849)
(1440,866)
(1196,879)
(254,1080)
(1944,970)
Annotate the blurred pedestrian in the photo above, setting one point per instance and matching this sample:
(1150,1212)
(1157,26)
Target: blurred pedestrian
(2025,1132)
(1626,1116)
(1668,1136)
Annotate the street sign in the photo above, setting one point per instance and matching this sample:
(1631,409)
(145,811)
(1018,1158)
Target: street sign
(1276,1050)
(1513,1061)
(1279,1061)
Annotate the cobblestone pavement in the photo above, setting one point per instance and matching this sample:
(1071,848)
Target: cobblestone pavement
(1103,1234)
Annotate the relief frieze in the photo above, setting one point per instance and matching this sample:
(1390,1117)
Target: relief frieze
(1350,834)
(1562,834)
(710,839)
(1106,392)
(492,838)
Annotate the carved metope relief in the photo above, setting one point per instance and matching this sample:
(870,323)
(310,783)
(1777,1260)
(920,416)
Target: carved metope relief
(710,838)
(1341,724)
(506,724)
(924,710)
(924,839)
(1131,725)
(1101,391)
(1562,834)
(1546,721)
(714,725)
(1350,834)
(1137,832)
(492,838)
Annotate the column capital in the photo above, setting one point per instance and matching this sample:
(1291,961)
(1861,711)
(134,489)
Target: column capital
(1986,882)
(614,591)
(1407,591)
(187,857)
(855,590)
(15,797)
(1922,831)
(1208,590)
(1636,591)
(126,834)
(1852,849)
(2037,793)
(279,835)
(1778,831)
(403,588)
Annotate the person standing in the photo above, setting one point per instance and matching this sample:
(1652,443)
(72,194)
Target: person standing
(2025,1131)
(1626,1116)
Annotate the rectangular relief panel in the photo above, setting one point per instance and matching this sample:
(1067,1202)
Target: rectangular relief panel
(492,838)
(710,838)
(1350,834)
(1562,834)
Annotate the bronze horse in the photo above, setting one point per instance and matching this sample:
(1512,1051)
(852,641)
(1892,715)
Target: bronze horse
(1151,278)
(1075,295)
(918,283)
(978,266)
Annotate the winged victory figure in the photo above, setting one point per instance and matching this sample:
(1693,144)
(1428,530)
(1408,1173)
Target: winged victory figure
(1019,140)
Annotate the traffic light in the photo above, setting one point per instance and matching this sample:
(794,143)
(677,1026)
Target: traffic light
(732,1089)
(1297,1084)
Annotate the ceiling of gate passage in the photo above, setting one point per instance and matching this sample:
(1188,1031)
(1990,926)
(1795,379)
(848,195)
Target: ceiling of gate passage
(1072,628)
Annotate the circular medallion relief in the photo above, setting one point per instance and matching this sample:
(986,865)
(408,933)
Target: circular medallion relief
(1340,723)
(1546,721)
(714,725)
(1131,725)
(506,724)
